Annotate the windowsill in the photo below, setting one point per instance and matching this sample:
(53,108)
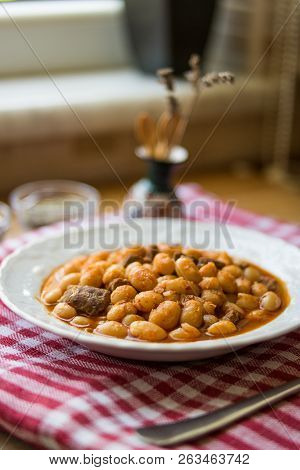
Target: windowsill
(62,37)
(105,101)
(89,75)
(31,11)
(68,69)
(42,138)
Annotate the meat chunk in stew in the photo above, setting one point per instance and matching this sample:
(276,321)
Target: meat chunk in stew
(87,299)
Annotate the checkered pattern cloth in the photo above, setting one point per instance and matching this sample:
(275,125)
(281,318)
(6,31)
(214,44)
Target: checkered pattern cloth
(59,395)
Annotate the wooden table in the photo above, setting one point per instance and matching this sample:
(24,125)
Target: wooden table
(251,192)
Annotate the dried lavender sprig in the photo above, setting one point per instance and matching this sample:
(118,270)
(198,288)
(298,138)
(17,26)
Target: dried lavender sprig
(194,62)
(213,78)
(172,104)
(166,76)
(194,78)
(194,74)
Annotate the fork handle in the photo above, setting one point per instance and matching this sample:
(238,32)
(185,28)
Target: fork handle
(178,432)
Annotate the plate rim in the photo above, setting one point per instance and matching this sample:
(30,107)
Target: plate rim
(231,342)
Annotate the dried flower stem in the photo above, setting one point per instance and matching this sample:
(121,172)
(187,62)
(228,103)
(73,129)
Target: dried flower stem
(166,77)
(172,125)
(194,78)
(167,122)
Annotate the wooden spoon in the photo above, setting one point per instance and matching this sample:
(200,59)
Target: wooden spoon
(167,127)
(161,148)
(145,131)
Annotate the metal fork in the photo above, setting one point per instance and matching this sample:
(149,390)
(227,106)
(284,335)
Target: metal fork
(189,429)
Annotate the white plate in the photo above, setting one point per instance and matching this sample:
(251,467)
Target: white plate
(23,272)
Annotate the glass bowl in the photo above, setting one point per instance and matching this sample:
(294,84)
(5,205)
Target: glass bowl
(45,202)
(5,217)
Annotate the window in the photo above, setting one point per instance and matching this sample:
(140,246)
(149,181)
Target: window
(65,35)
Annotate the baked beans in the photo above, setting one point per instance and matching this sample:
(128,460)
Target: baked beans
(163,293)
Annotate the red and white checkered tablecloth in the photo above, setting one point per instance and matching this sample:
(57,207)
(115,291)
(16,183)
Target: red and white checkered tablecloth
(57,394)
